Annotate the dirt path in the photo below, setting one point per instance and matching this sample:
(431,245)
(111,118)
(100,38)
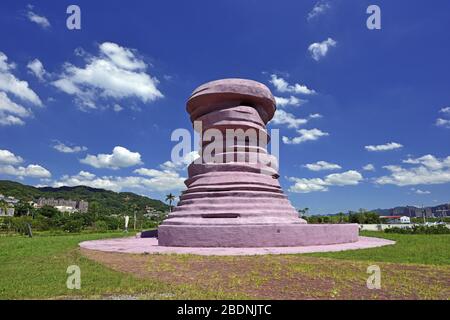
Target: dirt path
(283,276)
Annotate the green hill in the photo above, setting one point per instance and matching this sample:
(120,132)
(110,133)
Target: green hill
(109,201)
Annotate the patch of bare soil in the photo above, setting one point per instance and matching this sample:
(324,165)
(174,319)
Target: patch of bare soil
(283,276)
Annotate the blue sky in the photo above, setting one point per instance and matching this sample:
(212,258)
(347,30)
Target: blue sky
(97,106)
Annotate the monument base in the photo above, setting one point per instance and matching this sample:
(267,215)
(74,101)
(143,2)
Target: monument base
(251,236)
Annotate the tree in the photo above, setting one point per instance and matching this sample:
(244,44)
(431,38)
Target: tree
(372,218)
(23,209)
(170,198)
(48,211)
(303,212)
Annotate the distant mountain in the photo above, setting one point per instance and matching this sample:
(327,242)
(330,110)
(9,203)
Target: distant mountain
(411,210)
(110,201)
(407,210)
(382,212)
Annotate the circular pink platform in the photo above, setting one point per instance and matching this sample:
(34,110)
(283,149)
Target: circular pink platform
(150,246)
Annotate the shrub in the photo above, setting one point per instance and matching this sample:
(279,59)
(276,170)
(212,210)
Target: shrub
(439,229)
(72,225)
(48,212)
(20,224)
(100,225)
(41,223)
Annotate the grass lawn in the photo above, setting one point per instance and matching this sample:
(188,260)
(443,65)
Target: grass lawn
(409,248)
(36,268)
(416,267)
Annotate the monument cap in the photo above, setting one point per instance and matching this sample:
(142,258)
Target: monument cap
(220,93)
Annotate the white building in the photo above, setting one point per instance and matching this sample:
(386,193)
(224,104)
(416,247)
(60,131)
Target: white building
(397,219)
(66,209)
(9,200)
(9,212)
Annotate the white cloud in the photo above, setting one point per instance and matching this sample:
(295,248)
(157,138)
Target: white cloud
(445,110)
(440,122)
(32,170)
(348,178)
(315,116)
(425,170)
(165,178)
(318,50)
(9,120)
(6,105)
(322,165)
(369,167)
(429,161)
(116,73)
(84,178)
(9,166)
(117,108)
(122,57)
(159,182)
(283,86)
(291,101)
(10,84)
(37,69)
(282,117)
(7,157)
(61,147)
(319,8)
(305,135)
(421,192)
(384,147)
(39,20)
(181,163)
(303,185)
(443,123)
(120,158)
(11,112)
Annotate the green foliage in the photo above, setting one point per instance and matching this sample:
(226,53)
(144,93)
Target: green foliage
(439,229)
(50,219)
(170,198)
(48,212)
(302,213)
(364,218)
(72,225)
(22,209)
(16,224)
(108,201)
(41,223)
(106,209)
(101,225)
(361,217)
(420,219)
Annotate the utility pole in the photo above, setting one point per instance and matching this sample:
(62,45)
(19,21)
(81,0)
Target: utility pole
(423,215)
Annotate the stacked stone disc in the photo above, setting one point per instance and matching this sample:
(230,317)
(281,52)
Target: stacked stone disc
(233,197)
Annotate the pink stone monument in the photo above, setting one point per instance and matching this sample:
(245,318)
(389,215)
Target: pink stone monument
(236,200)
